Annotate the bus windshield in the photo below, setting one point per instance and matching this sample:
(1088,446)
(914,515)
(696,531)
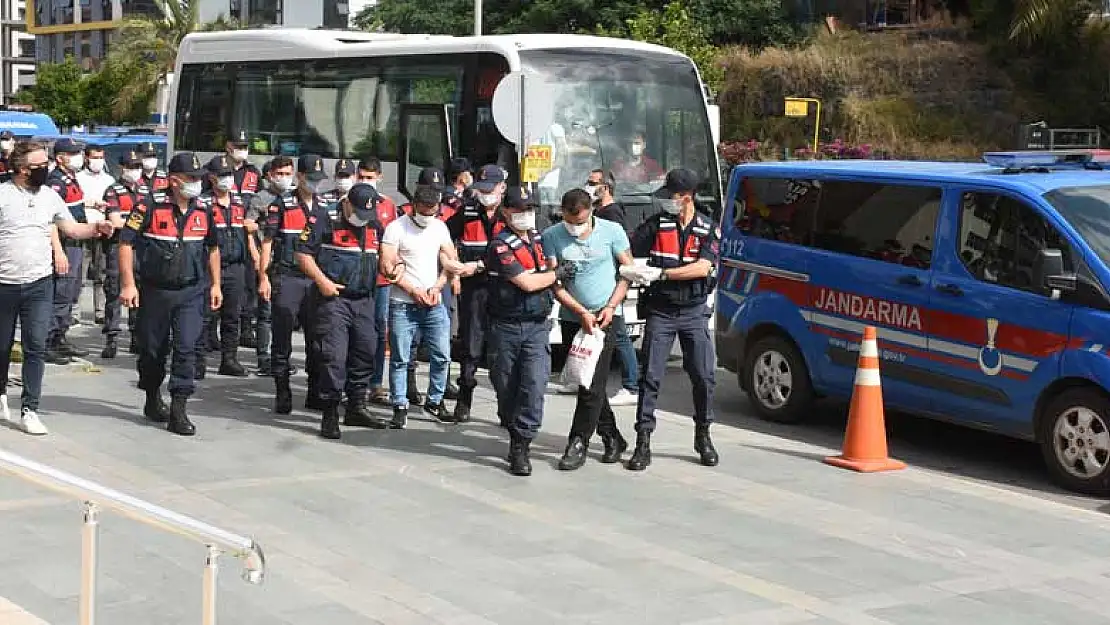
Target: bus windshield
(634,115)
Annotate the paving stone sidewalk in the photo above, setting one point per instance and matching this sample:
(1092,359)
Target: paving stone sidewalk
(424,526)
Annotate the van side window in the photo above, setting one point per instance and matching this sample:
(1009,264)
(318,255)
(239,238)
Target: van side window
(1000,239)
(888,222)
(780,209)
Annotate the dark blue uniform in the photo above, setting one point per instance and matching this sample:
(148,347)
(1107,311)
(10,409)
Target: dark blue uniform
(285,221)
(172,249)
(519,333)
(248,181)
(227,219)
(676,308)
(67,288)
(122,199)
(343,330)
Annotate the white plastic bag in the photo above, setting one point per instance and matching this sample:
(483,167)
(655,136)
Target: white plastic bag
(585,351)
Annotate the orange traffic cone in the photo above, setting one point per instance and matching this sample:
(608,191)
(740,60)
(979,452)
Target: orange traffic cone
(865,440)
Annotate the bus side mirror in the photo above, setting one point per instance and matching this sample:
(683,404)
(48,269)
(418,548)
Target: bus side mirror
(1049,274)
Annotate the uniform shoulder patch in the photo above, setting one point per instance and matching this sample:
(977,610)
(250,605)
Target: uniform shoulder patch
(135,220)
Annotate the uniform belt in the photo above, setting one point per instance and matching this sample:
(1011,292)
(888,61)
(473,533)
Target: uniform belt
(151,284)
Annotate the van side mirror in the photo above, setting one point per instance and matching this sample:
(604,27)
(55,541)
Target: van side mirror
(1049,274)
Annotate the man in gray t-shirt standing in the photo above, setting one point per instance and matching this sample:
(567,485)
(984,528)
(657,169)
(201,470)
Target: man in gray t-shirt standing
(31,217)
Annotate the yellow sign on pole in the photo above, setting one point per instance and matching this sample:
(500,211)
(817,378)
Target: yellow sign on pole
(537,161)
(797,108)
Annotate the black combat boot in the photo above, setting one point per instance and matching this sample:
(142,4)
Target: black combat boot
(229,365)
(462,406)
(703,445)
(329,425)
(201,366)
(641,457)
(615,445)
(179,421)
(400,418)
(155,409)
(416,398)
(358,415)
(111,348)
(283,396)
(65,348)
(519,462)
(312,400)
(574,456)
(247,337)
(132,344)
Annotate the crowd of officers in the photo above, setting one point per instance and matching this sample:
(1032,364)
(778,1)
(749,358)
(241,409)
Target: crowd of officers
(217,255)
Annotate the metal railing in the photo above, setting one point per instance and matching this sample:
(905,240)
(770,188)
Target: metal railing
(96,497)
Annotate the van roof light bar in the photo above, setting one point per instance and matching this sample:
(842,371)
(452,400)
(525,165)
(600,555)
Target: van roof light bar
(1031,159)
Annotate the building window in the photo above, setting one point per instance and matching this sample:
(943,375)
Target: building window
(27,48)
(141,7)
(265,12)
(86,11)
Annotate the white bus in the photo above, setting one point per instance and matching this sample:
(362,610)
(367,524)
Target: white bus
(418,100)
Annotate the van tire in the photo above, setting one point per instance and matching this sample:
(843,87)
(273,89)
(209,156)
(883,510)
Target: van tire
(776,355)
(1070,424)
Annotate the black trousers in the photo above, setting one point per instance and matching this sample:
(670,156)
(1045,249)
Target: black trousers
(593,412)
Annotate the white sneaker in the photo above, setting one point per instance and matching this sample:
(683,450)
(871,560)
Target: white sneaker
(624,397)
(29,422)
(5,412)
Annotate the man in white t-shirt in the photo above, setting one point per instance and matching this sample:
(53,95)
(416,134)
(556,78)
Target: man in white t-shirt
(94,180)
(31,216)
(418,257)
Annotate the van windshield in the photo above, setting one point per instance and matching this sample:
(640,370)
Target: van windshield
(1087,209)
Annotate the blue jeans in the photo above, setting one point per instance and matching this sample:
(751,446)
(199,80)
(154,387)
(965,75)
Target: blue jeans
(434,326)
(381,326)
(630,379)
(32,306)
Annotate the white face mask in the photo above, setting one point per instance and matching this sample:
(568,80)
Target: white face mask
(671,207)
(239,155)
(592,189)
(132,175)
(7,145)
(225,183)
(150,164)
(311,185)
(96,165)
(577,230)
(344,185)
(354,220)
(191,189)
(284,183)
(489,199)
(637,149)
(421,220)
(76,162)
(373,183)
(523,221)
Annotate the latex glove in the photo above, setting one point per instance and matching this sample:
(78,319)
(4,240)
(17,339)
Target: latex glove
(630,272)
(650,274)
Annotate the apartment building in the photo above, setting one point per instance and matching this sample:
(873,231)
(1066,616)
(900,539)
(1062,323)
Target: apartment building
(17,49)
(84,28)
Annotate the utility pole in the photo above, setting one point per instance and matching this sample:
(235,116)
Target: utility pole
(477,18)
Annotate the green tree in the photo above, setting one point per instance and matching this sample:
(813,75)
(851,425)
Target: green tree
(756,24)
(154,42)
(456,17)
(675,28)
(99,89)
(58,92)
(1050,21)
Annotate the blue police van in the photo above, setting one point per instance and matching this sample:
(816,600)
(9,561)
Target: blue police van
(989,284)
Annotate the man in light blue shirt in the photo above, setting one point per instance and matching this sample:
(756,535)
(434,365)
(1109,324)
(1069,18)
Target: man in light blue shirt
(590,299)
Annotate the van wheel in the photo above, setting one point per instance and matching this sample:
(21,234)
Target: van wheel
(1075,441)
(777,380)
